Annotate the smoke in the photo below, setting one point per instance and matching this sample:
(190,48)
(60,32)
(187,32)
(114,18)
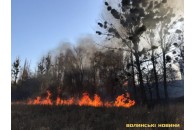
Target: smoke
(84,48)
(87,48)
(62,47)
(177,5)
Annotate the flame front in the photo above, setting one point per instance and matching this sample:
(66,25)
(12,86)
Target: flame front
(39,101)
(85,100)
(122,101)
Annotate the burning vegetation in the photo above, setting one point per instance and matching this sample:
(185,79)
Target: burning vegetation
(143,53)
(121,101)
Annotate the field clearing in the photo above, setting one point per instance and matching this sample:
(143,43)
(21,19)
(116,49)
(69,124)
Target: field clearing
(29,117)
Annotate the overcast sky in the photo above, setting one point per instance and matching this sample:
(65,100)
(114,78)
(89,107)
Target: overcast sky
(40,25)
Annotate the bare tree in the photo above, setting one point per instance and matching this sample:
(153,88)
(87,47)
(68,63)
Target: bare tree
(132,18)
(25,73)
(15,70)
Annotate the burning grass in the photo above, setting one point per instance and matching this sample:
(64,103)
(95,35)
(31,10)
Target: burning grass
(121,101)
(74,117)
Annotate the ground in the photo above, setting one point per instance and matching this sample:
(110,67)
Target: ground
(29,117)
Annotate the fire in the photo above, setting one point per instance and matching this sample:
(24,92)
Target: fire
(86,101)
(121,101)
(60,101)
(40,101)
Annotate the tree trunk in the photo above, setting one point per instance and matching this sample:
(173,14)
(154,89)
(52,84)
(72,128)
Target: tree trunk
(156,77)
(144,98)
(149,88)
(15,78)
(164,77)
(133,79)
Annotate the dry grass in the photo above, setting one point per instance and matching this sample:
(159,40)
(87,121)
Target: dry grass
(88,118)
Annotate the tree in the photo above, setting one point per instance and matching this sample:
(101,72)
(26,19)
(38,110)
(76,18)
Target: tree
(179,46)
(165,42)
(25,73)
(48,63)
(15,70)
(161,37)
(44,71)
(106,64)
(41,67)
(151,57)
(131,20)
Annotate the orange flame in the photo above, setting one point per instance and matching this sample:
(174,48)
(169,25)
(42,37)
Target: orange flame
(60,101)
(39,101)
(122,101)
(85,100)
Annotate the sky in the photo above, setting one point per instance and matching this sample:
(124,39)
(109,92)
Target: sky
(38,26)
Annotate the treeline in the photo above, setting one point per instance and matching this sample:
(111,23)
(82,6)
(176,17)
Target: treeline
(148,52)
(71,71)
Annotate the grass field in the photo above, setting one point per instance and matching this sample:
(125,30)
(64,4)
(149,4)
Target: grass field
(27,117)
